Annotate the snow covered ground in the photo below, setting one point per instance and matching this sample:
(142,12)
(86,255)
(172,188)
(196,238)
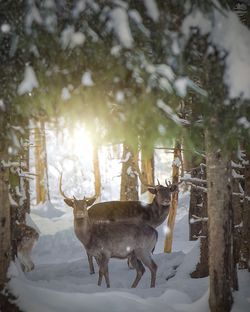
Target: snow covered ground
(61,279)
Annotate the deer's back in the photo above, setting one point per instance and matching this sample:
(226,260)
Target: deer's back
(118,211)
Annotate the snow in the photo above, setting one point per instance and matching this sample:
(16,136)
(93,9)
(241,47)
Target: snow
(121,27)
(71,39)
(29,82)
(2,105)
(87,79)
(170,113)
(61,279)
(65,95)
(152,10)
(230,36)
(5,28)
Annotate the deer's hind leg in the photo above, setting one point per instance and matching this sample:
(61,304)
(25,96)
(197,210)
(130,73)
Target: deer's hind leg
(146,259)
(136,264)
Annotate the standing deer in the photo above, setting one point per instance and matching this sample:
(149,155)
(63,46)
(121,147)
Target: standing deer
(104,240)
(136,212)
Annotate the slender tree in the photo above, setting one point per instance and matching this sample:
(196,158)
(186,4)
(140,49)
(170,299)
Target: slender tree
(174,201)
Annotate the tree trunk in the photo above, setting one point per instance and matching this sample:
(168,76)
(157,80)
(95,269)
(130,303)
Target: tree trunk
(220,228)
(5,227)
(97,174)
(147,171)
(202,267)
(40,164)
(174,201)
(129,180)
(244,261)
(5,218)
(195,205)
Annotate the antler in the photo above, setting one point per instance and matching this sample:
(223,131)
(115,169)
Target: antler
(60,188)
(168,183)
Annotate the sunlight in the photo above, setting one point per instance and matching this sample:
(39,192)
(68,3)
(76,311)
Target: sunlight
(82,144)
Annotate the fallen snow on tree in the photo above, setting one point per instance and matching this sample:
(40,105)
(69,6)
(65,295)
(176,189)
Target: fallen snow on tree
(152,10)
(232,39)
(121,27)
(29,82)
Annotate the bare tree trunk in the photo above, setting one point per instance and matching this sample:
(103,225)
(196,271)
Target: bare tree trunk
(220,228)
(174,201)
(147,171)
(129,180)
(97,173)
(40,165)
(202,267)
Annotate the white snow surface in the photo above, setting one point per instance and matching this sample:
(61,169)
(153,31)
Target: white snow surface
(230,36)
(61,279)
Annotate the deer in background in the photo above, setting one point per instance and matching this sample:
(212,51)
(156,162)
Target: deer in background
(136,212)
(104,240)
(26,237)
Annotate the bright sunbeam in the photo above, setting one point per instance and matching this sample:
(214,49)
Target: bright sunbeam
(82,145)
(79,148)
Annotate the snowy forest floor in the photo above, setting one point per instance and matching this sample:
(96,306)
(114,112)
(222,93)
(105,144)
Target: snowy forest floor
(61,279)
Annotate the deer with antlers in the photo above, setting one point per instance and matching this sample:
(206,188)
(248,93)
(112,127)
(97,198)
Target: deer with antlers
(133,212)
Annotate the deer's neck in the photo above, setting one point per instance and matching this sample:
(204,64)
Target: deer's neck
(83,230)
(158,213)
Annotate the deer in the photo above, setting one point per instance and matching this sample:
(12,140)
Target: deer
(153,214)
(26,238)
(122,240)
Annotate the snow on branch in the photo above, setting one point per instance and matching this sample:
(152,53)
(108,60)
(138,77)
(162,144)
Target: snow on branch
(196,219)
(29,82)
(168,110)
(194,180)
(232,39)
(121,27)
(152,10)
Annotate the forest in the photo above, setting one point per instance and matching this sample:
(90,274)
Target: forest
(124,150)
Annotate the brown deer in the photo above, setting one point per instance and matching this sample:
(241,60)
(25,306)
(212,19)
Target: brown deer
(26,236)
(152,214)
(104,240)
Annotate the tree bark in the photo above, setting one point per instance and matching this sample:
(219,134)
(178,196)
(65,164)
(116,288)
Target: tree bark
(220,228)
(129,180)
(5,222)
(40,165)
(202,266)
(147,171)
(195,205)
(244,260)
(174,201)
(97,174)
(5,217)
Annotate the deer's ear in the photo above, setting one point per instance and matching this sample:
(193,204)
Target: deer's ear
(152,190)
(69,202)
(173,188)
(91,201)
